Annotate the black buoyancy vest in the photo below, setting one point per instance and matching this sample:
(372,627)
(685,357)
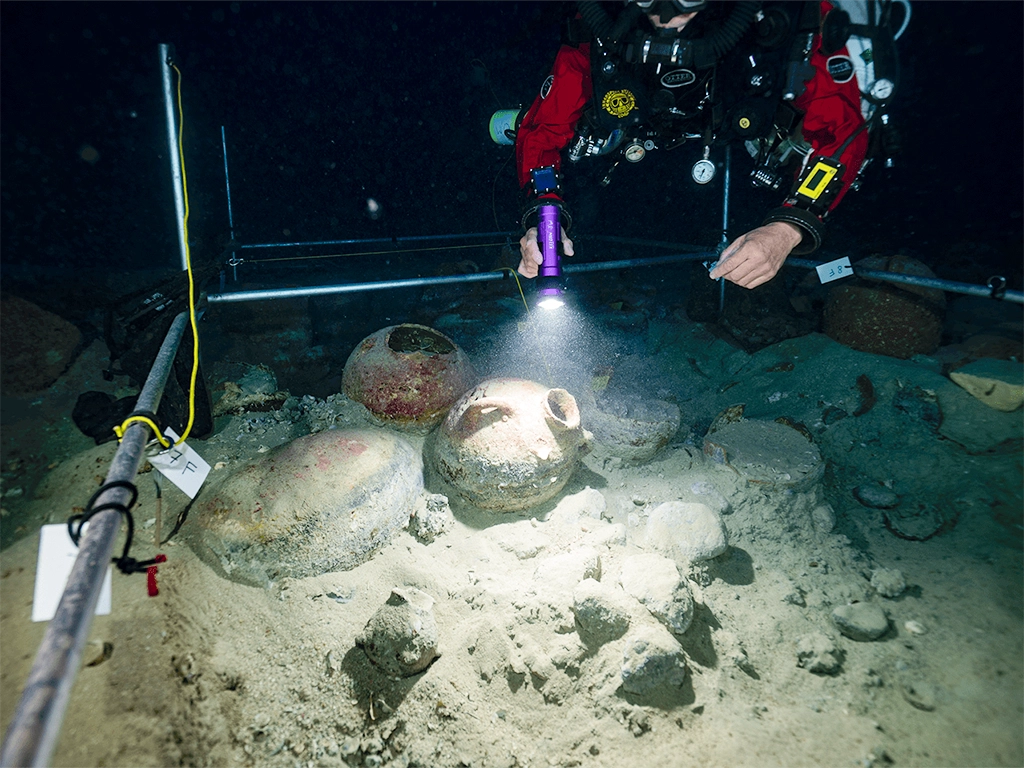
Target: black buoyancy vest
(736,97)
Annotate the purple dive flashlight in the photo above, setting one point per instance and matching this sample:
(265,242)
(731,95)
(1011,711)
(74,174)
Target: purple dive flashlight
(549,237)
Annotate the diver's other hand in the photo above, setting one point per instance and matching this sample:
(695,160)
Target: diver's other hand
(756,257)
(531,257)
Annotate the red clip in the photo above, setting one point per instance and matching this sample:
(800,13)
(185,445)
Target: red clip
(151,576)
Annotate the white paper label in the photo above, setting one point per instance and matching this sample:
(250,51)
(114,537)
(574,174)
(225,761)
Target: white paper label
(835,270)
(57,553)
(182,466)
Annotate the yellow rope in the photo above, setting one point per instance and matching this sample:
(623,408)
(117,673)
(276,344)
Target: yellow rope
(191,280)
(119,431)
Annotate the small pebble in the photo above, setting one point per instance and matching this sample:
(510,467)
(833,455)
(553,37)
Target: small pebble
(876,496)
(824,518)
(861,621)
(888,582)
(920,694)
(95,652)
(914,627)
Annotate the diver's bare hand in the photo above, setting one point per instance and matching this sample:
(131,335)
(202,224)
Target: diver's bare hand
(756,257)
(532,258)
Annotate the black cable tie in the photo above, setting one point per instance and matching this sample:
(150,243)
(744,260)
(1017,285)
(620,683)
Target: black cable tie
(125,564)
(997,286)
(124,509)
(152,417)
(129,565)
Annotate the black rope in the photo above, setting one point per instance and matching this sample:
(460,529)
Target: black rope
(148,414)
(124,563)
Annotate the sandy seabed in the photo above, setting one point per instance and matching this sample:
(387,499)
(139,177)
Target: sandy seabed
(215,673)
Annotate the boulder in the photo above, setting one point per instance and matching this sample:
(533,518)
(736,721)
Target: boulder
(628,427)
(38,346)
(601,611)
(654,581)
(818,654)
(401,637)
(861,621)
(886,318)
(689,532)
(876,496)
(652,659)
(888,582)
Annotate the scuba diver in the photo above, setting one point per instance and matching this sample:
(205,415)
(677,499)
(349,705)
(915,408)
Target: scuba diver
(804,86)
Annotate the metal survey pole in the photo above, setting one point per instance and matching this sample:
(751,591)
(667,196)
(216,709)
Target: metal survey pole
(234,261)
(172,148)
(995,290)
(33,733)
(331,290)
(227,182)
(386,285)
(725,225)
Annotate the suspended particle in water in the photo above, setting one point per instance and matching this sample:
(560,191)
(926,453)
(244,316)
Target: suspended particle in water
(89,153)
(373,209)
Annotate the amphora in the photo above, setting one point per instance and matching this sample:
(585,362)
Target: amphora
(510,444)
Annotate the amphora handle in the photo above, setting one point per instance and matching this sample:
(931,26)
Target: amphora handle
(561,410)
(481,413)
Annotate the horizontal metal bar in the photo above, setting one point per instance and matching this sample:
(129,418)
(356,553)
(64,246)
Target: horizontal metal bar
(969,289)
(329,290)
(378,240)
(579,268)
(650,261)
(637,241)
(467,236)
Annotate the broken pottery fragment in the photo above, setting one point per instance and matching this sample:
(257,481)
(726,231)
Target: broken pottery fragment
(998,384)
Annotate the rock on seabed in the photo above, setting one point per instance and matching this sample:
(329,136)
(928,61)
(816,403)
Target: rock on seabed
(861,621)
(688,531)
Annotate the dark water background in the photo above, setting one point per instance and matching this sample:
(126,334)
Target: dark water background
(327,104)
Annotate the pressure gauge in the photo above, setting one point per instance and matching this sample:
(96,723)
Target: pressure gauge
(882,89)
(635,152)
(703,171)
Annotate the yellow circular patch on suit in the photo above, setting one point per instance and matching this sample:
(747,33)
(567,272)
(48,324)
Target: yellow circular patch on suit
(744,122)
(618,103)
